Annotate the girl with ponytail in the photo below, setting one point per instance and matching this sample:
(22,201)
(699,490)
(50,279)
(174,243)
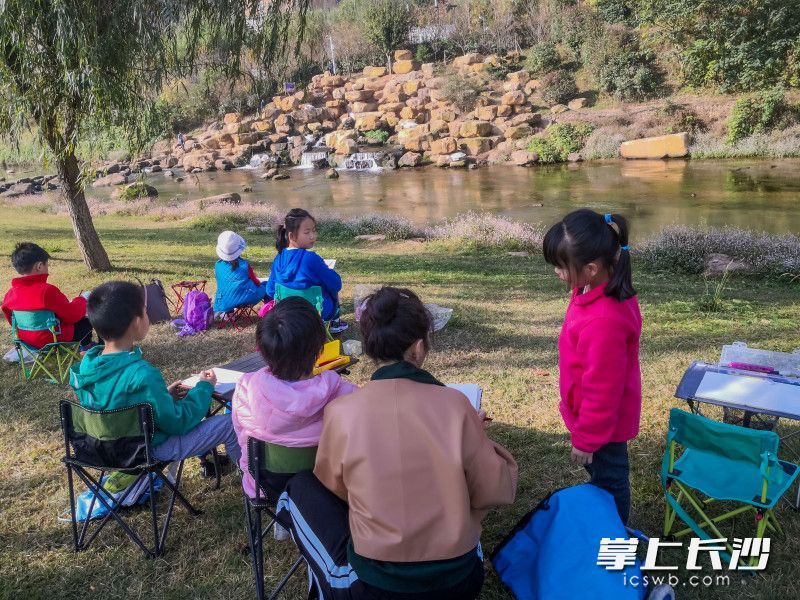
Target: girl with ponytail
(600,381)
(298,267)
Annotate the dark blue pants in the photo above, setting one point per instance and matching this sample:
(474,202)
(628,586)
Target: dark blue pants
(610,471)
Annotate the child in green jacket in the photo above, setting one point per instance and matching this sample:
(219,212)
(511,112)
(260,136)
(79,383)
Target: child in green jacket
(116,376)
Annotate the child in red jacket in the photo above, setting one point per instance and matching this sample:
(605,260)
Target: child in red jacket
(32,292)
(600,381)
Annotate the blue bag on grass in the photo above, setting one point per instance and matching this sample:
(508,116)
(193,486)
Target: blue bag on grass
(139,495)
(552,552)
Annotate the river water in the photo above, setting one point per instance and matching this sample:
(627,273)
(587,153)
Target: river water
(752,194)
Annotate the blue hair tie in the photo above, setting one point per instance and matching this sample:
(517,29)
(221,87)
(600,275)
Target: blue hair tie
(608,218)
(624,248)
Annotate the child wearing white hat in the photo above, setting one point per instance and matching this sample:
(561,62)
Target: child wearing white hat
(237,284)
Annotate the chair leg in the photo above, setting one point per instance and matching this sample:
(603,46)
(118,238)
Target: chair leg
(113,512)
(255,541)
(174,489)
(73,522)
(154,514)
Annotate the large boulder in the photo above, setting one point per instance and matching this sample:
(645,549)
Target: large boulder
(468,59)
(374,71)
(476,145)
(401,67)
(486,113)
(577,103)
(445,145)
(663,146)
(229,198)
(471,129)
(231,117)
(410,159)
(115,179)
(522,158)
(518,132)
(22,189)
(403,55)
(515,98)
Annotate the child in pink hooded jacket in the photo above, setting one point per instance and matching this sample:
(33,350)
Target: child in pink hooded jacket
(283,403)
(600,379)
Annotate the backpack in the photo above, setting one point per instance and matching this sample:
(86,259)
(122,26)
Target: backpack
(157,308)
(197,314)
(552,553)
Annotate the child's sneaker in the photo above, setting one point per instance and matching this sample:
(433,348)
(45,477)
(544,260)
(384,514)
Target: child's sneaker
(338,326)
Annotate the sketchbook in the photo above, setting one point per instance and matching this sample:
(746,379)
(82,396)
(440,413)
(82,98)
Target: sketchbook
(226,380)
(472,391)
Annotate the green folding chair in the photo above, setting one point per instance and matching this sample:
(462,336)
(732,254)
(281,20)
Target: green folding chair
(117,441)
(707,461)
(312,294)
(52,360)
(271,466)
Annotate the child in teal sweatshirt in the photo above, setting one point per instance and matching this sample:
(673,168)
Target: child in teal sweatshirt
(116,376)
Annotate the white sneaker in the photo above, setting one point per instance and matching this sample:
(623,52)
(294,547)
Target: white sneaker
(279,532)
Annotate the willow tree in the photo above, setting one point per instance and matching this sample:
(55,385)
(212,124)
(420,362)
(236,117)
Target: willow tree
(67,65)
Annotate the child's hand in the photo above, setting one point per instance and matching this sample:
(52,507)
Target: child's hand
(579,457)
(209,376)
(174,388)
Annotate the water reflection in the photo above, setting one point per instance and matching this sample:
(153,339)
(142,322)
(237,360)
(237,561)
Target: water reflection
(753,194)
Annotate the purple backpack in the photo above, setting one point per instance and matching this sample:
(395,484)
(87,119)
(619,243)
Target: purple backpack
(197,314)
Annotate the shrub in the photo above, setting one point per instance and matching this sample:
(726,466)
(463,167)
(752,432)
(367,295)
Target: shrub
(616,11)
(333,227)
(423,53)
(486,231)
(574,25)
(557,87)
(136,190)
(737,45)
(462,91)
(559,141)
(684,249)
(756,114)
(219,222)
(620,67)
(682,118)
(542,58)
(377,135)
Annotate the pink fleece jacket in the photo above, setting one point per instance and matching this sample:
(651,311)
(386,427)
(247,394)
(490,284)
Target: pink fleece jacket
(288,413)
(601,386)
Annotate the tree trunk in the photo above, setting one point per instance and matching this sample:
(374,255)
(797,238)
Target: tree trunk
(92,251)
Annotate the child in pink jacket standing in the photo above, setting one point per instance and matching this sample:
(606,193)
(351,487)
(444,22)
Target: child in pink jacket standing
(600,380)
(282,403)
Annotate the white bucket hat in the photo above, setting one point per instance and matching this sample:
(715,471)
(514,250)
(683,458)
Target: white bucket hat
(230,245)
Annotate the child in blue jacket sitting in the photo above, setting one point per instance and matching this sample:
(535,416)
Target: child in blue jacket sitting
(237,284)
(296,266)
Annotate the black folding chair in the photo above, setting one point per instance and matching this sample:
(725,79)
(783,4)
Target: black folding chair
(116,440)
(271,467)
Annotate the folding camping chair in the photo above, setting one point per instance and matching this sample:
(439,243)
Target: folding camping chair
(239,318)
(116,440)
(314,296)
(271,467)
(182,288)
(722,462)
(53,360)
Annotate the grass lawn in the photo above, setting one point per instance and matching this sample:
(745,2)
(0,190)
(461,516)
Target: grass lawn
(508,312)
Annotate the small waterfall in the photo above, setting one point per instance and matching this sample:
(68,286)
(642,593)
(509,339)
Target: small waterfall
(363,161)
(258,161)
(309,158)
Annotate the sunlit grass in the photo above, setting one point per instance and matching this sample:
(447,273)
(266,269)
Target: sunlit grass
(508,313)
